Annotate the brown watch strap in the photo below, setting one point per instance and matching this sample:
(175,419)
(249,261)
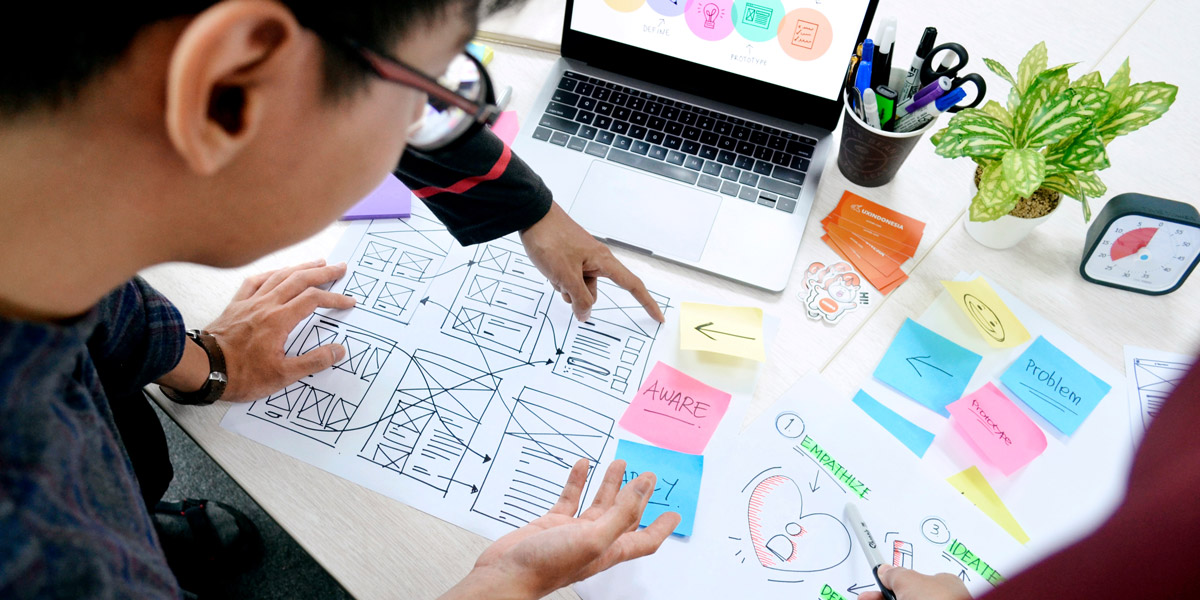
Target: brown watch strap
(214,386)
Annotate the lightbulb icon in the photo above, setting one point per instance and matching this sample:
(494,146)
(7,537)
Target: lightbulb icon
(710,15)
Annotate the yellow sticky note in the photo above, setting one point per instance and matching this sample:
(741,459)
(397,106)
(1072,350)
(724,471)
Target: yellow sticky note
(732,330)
(973,485)
(995,322)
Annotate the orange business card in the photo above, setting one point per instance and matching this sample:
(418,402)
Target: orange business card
(890,223)
(899,251)
(881,282)
(879,258)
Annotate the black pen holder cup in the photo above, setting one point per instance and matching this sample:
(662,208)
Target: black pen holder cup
(871,157)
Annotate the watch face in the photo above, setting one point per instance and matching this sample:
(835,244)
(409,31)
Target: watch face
(1144,253)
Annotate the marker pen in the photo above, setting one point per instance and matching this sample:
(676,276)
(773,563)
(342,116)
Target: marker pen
(871,109)
(867,542)
(922,116)
(882,64)
(927,94)
(913,81)
(862,79)
(886,98)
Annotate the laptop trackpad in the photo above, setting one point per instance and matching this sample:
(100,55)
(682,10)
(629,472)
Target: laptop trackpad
(654,214)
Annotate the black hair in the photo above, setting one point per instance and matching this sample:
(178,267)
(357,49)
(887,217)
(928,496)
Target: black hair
(50,52)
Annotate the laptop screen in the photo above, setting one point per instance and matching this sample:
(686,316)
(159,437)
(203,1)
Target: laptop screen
(800,45)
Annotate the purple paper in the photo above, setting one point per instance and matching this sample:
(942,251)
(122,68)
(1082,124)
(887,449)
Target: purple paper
(391,200)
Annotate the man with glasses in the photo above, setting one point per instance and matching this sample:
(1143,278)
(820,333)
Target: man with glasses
(215,132)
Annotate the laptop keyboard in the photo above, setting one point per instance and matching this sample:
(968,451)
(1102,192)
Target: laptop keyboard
(676,140)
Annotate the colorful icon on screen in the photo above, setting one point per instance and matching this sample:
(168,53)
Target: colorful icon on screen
(805,34)
(709,19)
(757,20)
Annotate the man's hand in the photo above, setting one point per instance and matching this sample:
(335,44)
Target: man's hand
(558,549)
(911,585)
(254,327)
(572,260)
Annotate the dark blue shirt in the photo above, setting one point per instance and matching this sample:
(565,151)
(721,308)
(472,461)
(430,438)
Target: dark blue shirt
(72,520)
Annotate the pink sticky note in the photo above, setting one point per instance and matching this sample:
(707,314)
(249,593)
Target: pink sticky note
(506,126)
(390,200)
(997,429)
(674,411)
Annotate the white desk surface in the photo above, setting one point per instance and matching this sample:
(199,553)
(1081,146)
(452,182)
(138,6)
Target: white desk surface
(380,548)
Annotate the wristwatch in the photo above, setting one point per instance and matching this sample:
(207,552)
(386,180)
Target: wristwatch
(214,386)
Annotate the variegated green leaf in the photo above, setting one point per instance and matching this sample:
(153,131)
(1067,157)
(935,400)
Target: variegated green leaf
(1092,187)
(937,136)
(1056,121)
(1023,170)
(1014,100)
(993,108)
(1067,183)
(995,198)
(1117,85)
(1046,86)
(1142,104)
(1086,152)
(999,69)
(1093,102)
(973,132)
(1091,80)
(1033,63)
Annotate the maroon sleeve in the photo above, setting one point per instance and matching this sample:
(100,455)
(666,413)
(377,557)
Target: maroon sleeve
(1147,548)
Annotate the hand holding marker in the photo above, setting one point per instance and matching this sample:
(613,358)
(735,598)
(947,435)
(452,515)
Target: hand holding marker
(911,108)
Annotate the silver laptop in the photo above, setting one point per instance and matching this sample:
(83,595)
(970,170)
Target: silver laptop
(695,131)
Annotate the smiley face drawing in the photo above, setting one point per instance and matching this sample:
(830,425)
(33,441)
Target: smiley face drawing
(984,317)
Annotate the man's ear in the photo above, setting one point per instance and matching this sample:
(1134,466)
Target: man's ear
(219,76)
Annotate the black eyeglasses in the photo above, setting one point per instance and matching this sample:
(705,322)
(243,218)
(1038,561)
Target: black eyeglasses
(460,102)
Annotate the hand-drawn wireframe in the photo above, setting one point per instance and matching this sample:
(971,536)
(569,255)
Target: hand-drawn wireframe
(608,352)
(1155,380)
(321,406)
(501,301)
(393,263)
(783,537)
(544,437)
(427,427)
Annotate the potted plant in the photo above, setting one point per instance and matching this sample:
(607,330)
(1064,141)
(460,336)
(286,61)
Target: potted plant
(1049,142)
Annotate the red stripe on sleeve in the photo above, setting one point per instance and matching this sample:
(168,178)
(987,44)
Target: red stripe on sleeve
(464,185)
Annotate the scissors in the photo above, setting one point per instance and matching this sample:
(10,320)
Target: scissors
(933,69)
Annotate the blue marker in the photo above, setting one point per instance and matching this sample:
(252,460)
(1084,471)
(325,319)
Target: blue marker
(862,79)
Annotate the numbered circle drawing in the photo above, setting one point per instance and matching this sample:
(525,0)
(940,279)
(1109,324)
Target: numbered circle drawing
(935,530)
(789,424)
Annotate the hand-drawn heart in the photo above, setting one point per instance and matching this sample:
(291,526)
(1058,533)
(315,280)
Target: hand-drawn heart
(786,539)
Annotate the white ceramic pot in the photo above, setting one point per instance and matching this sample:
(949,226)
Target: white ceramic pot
(1005,232)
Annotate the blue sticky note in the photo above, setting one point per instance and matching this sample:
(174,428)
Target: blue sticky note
(917,439)
(1054,385)
(927,367)
(678,487)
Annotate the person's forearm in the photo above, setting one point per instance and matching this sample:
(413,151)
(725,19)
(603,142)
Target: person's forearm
(191,372)
(487,583)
